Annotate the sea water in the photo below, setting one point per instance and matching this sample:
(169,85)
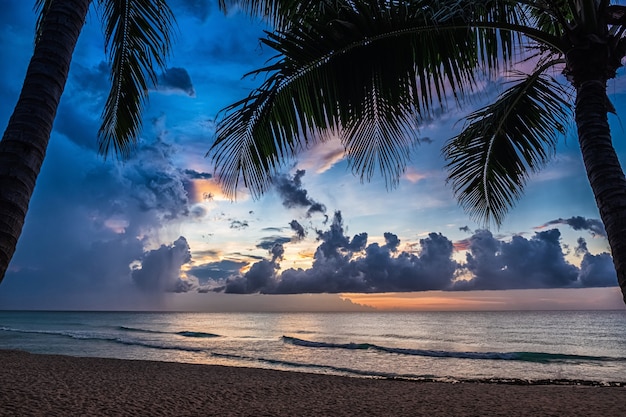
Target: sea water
(562,346)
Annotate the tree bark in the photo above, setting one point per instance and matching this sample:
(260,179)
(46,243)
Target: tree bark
(604,171)
(25,140)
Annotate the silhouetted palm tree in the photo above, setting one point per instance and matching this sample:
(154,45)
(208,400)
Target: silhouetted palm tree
(137,36)
(370,72)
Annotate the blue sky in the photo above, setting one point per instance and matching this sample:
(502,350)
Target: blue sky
(155,232)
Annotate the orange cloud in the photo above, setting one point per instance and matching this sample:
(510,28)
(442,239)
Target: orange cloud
(412,175)
(461,245)
(206,190)
(321,157)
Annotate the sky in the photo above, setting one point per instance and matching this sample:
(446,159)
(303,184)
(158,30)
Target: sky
(155,232)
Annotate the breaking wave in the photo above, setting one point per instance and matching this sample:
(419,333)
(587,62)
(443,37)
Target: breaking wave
(537,357)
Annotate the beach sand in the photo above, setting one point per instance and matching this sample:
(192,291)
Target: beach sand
(52,385)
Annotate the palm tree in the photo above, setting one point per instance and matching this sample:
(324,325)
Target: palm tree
(370,72)
(137,39)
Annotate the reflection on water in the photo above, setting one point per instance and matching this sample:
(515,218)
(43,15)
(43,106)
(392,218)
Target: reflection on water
(522,345)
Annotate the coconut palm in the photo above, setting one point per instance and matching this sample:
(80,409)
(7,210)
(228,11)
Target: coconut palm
(369,72)
(137,41)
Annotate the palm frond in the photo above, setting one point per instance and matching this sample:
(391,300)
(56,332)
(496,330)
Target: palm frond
(137,40)
(41,8)
(279,13)
(371,68)
(552,17)
(503,143)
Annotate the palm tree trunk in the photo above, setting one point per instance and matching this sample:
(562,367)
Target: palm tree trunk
(603,169)
(25,140)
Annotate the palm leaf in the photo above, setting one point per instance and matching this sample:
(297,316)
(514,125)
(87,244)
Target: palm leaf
(41,7)
(369,72)
(280,13)
(137,40)
(503,143)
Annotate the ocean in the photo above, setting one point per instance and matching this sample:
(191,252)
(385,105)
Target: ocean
(577,347)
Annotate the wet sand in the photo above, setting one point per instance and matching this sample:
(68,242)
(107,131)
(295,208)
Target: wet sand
(53,385)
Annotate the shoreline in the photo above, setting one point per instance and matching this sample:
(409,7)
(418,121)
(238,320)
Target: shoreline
(38,384)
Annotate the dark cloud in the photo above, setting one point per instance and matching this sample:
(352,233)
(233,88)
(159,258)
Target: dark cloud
(593,226)
(78,117)
(581,247)
(391,241)
(269,242)
(277,251)
(160,268)
(597,271)
(198,211)
(248,256)
(176,80)
(257,279)
(238,224)
(343,264)
(216,270)
(90,219)
(298,229)
(465,229)
(272,229)
(158,186)
(537,262)
(294,196)
(195,175)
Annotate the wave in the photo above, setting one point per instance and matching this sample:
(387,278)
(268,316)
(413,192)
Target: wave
(537,357)
(420,378)
(184,333)
(138,330)
(197,334)
(81,335)
(310,366)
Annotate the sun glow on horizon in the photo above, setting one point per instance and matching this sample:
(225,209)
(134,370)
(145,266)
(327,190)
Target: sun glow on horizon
(493,300)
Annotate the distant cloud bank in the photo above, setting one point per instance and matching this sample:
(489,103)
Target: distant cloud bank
(344,264)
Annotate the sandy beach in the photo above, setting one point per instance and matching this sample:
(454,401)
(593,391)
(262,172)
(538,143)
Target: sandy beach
(52,385)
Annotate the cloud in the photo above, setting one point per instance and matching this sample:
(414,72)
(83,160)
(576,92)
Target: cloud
(581,247)
(176,80)
(298,229)
(597,271)
(160,269)
(321,157)
(594,226)
(257,279)
(538,262)
(195,175)
(344,264)
(413,175)
(294,196)
(277,251)
(268,242)
(238,224)
(90,219)
(351,265)
(216,270)
(78,116)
